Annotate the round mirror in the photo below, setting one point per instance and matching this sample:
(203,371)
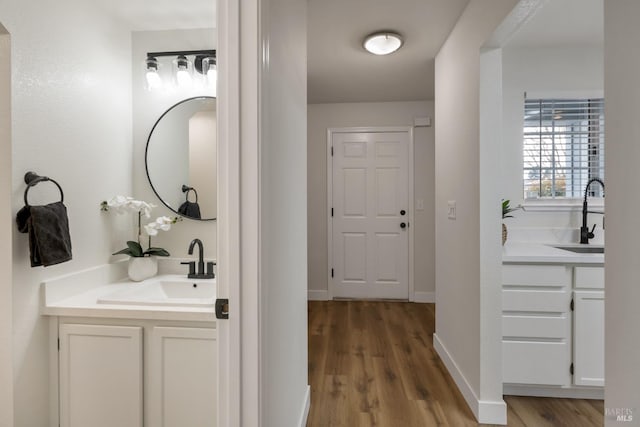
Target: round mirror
(181,158)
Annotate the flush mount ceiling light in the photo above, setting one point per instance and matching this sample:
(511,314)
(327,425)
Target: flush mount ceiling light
(382,42)
(182,68)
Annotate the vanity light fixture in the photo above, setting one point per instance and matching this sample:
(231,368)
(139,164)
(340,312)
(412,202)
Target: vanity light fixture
(183,65)
(209,69)
(382,42)
(152,77)
(183,68)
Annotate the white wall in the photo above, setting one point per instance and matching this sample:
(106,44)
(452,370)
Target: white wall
(462,319)
(147,108)
(563,71)
(324,116)
(283,214)
(6,372)
(203,158)
(622,109)
(71,120)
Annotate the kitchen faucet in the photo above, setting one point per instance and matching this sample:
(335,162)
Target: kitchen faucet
(200,273)
(585,234)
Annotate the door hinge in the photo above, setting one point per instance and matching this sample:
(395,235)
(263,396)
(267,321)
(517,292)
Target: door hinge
(571,369)
(331,212)
(571,305)
(222,308)
(332,272)
(331,151)
(58,344)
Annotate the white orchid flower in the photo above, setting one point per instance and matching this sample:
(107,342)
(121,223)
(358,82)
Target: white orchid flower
(123,204)
(150,229)
(161,223)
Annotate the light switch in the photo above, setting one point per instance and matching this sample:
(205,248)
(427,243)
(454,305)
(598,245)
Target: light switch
(451,209)
(419,204)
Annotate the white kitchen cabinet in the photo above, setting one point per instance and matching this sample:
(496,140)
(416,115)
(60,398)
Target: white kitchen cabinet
(588,338)
(536,337)
(553,329)
(182,377)
(101,374)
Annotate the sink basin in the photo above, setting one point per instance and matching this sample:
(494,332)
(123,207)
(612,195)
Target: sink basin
(583,249)
(165,291)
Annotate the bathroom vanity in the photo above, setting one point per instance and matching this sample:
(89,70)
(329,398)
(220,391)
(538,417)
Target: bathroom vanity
(119,362)
(553,321)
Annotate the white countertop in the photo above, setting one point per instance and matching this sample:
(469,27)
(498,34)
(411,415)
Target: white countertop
(524,252)
(77,295)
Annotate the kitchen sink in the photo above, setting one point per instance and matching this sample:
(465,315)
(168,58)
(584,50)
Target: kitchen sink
(583,249)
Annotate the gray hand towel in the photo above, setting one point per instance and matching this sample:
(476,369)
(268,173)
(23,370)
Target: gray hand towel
(190,209)
(48,228)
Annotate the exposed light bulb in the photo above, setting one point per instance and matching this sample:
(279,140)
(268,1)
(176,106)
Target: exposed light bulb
(153,78)
(183,78)
(183,71)
(212,76)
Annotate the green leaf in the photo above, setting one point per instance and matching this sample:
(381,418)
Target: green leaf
(133,249)
(156,252)
(125,251)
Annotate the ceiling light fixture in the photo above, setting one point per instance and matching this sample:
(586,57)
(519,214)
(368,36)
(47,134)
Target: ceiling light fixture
(204,61)
(383,42)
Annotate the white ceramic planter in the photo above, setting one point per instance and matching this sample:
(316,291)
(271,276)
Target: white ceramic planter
(141,268)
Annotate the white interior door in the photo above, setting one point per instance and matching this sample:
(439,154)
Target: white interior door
(370,192)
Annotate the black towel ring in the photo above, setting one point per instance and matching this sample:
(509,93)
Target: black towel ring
(186,189)
(32,179)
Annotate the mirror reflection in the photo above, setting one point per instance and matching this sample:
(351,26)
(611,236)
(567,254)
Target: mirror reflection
(181,158)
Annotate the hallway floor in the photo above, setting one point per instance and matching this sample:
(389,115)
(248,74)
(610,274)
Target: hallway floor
(373,364)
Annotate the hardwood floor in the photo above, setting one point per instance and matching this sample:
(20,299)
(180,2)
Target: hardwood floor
(373,364)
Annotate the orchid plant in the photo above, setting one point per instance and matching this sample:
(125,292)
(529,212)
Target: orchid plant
(124,204)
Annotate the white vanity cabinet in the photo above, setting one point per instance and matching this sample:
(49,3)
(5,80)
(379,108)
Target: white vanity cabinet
(182,377)
(136,373)
(588,326)
(536,343)
(100,376)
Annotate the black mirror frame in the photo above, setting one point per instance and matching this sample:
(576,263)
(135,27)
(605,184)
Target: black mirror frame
(146,153)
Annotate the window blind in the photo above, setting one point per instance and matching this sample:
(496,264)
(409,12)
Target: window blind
(563,147)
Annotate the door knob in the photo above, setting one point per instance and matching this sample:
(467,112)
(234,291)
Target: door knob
(402,212)
(403,225)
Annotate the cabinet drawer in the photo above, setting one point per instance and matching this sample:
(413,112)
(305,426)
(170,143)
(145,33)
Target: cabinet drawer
(541,363)
(521,326)
(589,277)
(536,275)
(546,301)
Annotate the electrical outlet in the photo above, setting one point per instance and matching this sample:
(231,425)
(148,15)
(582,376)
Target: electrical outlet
(451,209)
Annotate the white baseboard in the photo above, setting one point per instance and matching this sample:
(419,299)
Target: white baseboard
(424,297)
(596,393)
(317,295)
(305,410)
(485,411)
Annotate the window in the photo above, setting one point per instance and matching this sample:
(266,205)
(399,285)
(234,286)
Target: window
(563,147)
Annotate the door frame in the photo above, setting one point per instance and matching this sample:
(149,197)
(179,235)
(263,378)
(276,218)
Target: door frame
(368,129)
(228,223)
(6,261)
